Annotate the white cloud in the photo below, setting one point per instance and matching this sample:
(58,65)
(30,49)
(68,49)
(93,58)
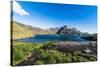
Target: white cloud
(18,9)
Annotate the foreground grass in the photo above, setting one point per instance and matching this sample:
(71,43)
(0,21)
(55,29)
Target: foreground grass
(22,50)
(46,54)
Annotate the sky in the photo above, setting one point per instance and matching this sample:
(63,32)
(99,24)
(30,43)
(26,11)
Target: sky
(47,15)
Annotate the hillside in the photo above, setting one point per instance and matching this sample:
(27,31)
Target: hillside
(20,30)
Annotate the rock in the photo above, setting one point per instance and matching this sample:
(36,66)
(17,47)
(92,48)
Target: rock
(87,51)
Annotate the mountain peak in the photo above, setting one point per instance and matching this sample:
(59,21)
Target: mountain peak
(68,30)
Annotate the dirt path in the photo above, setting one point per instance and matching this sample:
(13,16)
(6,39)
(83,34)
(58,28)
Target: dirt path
(29,61)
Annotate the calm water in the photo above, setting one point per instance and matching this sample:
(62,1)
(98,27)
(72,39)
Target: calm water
(44,38)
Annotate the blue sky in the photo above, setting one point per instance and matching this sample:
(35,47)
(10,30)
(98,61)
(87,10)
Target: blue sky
(46,15)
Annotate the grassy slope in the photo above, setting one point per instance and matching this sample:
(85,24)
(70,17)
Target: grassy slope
(20,31)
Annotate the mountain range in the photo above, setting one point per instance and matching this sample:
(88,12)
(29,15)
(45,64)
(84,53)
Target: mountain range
(20,30)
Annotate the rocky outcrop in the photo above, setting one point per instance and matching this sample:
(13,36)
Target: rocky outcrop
(69,31)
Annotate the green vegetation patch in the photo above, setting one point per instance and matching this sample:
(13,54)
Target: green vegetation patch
(46,54)
(22,50)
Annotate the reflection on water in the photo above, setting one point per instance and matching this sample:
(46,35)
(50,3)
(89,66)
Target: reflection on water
(44,38)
